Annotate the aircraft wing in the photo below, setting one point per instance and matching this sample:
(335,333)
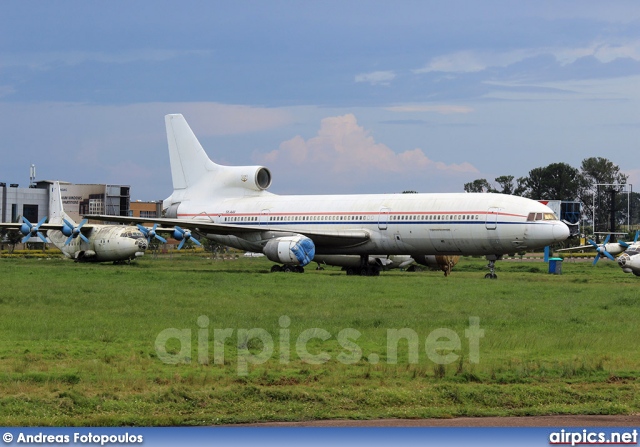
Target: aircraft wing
(345,238)
(43,227)
(581,247)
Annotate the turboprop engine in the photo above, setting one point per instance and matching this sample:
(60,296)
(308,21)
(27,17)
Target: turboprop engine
(290,250)
(444,263)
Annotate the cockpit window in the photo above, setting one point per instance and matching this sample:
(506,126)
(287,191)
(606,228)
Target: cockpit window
(132,234)
(541,216)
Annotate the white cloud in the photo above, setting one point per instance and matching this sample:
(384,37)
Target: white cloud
(341,145)
(475,61)
(376,77)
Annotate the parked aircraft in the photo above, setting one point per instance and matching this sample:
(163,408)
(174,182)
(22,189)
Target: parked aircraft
(630,259)
(608,249)
(351,263)
(83,242)
(231,205)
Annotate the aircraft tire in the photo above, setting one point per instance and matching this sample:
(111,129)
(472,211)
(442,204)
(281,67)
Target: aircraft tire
(276,268)
(491,276)
(351,271)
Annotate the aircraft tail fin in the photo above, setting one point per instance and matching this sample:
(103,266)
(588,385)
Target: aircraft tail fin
(56,210)
(189,161)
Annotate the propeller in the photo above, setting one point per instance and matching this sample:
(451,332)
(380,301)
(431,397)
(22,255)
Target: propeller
(601,250)
(73,232)
(150,233)
(183,236)
(611,249)
(28,229)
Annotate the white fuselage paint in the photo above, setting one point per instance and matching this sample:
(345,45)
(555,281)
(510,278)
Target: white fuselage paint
(106,243)
(629,261)
(438,224)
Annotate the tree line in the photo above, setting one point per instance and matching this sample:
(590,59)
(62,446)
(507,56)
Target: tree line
(561,181)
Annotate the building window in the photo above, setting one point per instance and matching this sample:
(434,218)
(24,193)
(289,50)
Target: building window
(30,212)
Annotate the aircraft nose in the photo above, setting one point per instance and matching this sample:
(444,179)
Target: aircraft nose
(560,232)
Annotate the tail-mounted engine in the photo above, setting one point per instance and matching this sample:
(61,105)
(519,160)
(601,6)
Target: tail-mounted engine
(255,178)
(290,250)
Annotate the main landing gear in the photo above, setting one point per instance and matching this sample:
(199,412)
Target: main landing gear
(365,269)
(287,268)
(492,266)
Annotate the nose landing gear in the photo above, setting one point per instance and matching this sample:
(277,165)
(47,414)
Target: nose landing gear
(492,266)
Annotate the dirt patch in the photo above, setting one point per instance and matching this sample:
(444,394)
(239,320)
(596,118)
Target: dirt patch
(524,421)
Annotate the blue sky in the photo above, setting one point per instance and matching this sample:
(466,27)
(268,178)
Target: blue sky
(332,96)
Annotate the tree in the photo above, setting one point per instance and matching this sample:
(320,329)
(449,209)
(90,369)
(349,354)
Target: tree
(596,171)
(557,181)
(479,185)
(506,183)
(521,187)
(14,237)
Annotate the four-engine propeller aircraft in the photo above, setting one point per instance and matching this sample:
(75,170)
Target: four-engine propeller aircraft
(231,205)
(607,249)
(83,242)
(630,259)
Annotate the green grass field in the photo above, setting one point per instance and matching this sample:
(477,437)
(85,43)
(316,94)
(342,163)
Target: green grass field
(78,342)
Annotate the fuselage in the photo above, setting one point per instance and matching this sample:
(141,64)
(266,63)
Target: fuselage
(469,224)
(106,243)
(629,261)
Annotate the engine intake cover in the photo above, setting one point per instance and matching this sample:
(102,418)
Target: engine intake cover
(290,250)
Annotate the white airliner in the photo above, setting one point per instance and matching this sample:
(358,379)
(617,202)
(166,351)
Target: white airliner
(83,242)
(231,205)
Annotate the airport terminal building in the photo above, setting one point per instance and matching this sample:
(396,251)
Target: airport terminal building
(33,202)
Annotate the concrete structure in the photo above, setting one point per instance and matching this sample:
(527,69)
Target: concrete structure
(32,203)
(145,209)
(78,200)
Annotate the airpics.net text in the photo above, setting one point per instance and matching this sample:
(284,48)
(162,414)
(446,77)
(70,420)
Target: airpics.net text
(442,346)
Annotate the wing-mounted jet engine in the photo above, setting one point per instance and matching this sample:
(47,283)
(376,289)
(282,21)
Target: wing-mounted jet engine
(293,251)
